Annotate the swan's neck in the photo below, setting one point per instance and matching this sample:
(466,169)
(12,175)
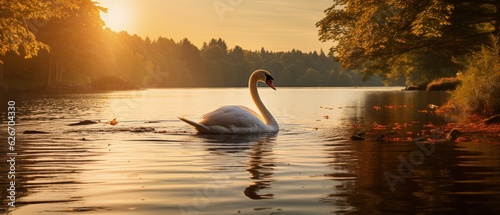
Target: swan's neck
(268,117)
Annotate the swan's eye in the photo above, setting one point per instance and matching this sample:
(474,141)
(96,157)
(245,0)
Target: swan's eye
(269,81)
(269,78)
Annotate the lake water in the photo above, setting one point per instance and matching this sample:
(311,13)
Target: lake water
(309,167)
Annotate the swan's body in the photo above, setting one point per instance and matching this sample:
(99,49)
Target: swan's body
(236,119)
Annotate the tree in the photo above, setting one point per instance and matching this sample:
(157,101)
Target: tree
(310,77)
(20,20)
(413,36)
(478,93)
(78,46)
(216,63)
(192,60)
(84,55)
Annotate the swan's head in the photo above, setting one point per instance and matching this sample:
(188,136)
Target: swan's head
(265,76)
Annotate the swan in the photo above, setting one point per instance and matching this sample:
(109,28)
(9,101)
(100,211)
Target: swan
(237,119)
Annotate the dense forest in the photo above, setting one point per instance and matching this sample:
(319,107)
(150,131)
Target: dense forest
(81,54)
(64,44)
(139,62)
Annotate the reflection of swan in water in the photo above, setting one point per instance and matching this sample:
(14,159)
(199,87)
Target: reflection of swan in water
(226,144)
(260,154)
(261,167)
(237,119)
(237,138)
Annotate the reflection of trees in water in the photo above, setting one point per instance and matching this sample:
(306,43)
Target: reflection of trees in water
(452,179)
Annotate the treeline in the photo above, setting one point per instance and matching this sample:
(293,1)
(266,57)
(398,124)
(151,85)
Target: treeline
(122,60)
(83,54)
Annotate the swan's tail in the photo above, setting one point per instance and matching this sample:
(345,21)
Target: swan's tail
(197,126)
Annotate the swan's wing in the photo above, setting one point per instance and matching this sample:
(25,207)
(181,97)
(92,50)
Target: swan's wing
(233,117)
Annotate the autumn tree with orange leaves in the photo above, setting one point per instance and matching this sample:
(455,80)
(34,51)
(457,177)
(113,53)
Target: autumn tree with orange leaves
(414,38)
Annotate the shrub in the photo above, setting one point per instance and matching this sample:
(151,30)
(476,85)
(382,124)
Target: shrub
(444,84)
(479,92)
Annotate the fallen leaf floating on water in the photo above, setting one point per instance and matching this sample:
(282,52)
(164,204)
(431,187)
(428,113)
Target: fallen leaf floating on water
(112,122)
(400,139)
(377,126)
(391,107)
(430,125)
(429,133)
(397,126)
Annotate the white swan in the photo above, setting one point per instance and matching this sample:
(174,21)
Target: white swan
(236,119)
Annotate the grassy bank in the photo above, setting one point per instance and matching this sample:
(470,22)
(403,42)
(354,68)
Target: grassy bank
(479,93)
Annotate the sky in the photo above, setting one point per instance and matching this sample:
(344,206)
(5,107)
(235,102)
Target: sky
(276,25)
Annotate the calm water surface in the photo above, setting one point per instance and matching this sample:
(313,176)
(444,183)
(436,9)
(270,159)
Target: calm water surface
(309,167)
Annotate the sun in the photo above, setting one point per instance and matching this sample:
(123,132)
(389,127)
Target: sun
(118,15)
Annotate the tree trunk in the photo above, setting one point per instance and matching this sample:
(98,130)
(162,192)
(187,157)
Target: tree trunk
(3,85)
(58,69)
(61,69)
(49,75)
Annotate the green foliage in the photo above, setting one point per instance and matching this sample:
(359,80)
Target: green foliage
(480,89)
(411,37)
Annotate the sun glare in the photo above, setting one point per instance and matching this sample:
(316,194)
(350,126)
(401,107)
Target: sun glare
(118,17)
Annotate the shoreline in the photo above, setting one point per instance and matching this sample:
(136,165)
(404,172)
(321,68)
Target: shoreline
(473,130)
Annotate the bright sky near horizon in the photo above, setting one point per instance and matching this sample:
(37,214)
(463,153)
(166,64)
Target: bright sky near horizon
(276,25)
